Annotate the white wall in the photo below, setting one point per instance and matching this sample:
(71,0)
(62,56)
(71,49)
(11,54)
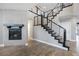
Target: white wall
(1,33)
(42,35)
(67,26)
(66,12)
(14,17)
(70,26)
(73,29)
(66,20)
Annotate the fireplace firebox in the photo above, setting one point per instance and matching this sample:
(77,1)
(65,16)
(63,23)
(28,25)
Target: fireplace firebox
(15,31)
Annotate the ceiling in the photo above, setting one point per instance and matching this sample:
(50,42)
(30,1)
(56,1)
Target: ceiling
(26,6)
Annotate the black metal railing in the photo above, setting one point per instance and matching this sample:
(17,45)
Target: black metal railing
(43,18)
(59,30)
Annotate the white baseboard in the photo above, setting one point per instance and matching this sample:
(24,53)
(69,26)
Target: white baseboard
(72,40)
(52,44)
(1,45)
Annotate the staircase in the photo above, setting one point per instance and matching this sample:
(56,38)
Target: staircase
(45,19)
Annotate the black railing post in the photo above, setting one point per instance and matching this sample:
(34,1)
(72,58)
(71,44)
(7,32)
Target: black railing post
(64,39)
(41,20)
(51,23)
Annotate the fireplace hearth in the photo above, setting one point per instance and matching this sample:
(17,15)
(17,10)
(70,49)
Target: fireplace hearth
(15,31)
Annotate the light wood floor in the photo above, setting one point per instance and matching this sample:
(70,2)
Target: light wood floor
(37,49)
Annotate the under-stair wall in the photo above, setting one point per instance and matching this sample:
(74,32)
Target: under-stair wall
(42,35)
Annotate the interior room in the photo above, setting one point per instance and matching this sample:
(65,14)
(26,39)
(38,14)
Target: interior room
(39,29)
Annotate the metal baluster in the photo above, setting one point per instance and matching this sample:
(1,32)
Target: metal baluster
(34,21)
(59,30)
(51,23)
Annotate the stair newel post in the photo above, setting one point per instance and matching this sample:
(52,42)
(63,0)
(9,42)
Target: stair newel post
(64,41)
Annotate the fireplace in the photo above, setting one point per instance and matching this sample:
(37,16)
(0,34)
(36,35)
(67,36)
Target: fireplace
(15,31)
(15,34)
